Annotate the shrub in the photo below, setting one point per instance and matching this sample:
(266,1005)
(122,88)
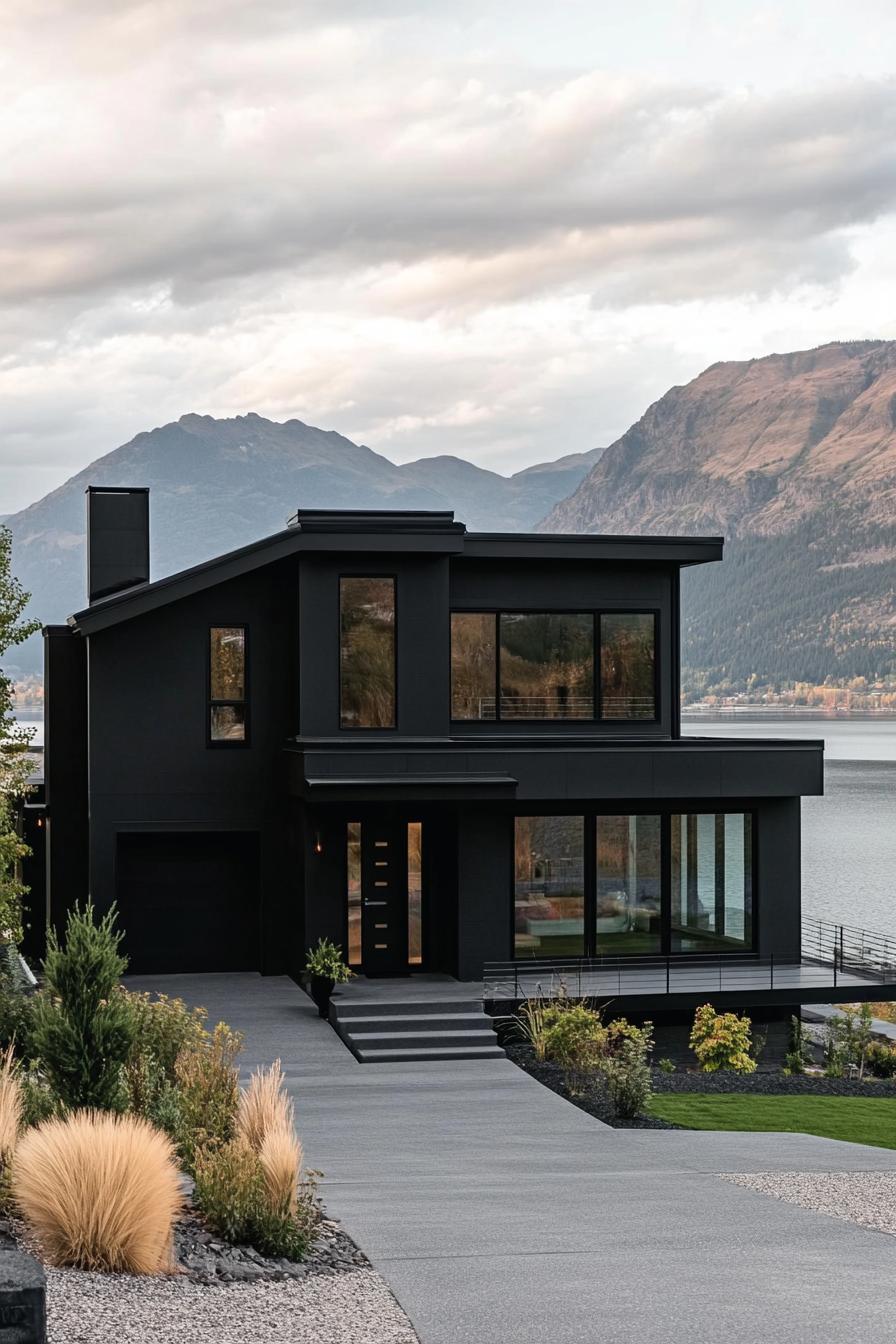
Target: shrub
(83,1025)
(627,1066)
(233,1193)
(881,1060)
(10,1121)
(16,1017)
(575,1038)
(848,1037)
(164,1029)
(100,1191)
(721,1041)
(800,1052)
(207,1094)
(264,1106)
(39,1102)
(666,1065)
(326,960)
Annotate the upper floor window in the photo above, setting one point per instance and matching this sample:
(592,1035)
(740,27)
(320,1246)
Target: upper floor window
(366,652)
(628,665)
(228,718)
(541,665)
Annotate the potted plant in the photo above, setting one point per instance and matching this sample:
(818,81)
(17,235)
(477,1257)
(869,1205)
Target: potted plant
(325,969)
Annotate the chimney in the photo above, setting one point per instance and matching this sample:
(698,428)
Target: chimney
(117,539)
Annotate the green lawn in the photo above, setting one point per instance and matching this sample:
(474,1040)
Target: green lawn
(857,1119)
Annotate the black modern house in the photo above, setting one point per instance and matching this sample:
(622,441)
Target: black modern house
(449,752)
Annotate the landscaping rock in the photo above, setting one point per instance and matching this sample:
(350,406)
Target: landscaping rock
(207,1259)
(23,1313)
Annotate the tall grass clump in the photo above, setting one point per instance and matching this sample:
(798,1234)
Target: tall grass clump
(264,1106)
(100,1191)
(252,1189)
(11,1117)
(83,1028)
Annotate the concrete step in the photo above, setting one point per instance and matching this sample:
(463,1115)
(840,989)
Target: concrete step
(423,1040)
(346,1008)
(413,1054)
(419,1022)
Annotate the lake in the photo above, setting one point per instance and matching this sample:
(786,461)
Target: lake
(849,835)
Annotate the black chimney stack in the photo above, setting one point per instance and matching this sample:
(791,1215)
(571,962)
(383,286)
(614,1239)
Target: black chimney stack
(117,539)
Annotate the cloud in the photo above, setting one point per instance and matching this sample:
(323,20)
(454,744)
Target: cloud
(362,214)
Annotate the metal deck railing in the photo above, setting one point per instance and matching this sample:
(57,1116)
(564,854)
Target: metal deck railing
(833,956)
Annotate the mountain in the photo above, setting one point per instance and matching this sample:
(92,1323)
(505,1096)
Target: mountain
(219,484)
(792,458)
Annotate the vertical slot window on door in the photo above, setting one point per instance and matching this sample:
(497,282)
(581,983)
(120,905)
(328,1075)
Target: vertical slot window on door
(228,708)
(415,893)
(353,892)
(366,652)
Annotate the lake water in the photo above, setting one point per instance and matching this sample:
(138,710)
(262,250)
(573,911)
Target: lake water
(849,835)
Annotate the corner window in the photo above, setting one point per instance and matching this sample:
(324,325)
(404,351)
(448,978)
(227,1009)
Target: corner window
(367,652)
(549,887)
(473,665)
(228,719)
(712,882)
(628,665)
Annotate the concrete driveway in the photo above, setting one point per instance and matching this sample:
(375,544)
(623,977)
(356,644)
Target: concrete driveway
(501,1214)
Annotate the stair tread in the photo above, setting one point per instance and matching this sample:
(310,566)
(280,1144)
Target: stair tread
(416,1017)
(420,1035)
(434,1052)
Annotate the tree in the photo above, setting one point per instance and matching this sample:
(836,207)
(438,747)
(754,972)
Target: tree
(15,766)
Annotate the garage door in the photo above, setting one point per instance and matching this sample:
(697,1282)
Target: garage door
(189,902)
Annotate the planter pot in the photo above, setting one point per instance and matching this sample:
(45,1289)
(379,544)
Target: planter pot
(321,987)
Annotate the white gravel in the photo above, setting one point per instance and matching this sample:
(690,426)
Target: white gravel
(864,1197)
(352,1308)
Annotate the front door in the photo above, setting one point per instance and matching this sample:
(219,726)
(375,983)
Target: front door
(384,897)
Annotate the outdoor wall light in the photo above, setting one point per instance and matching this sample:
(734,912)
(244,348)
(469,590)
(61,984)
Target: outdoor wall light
(318,846)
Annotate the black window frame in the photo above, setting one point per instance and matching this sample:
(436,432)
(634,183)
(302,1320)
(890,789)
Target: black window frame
(597,689)
(665,814)
(217,702)
(366,574)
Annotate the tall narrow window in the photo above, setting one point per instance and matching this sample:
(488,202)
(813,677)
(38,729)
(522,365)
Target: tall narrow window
(549,887)
(473,664)
(628,915)
(228,720)
(367,652)
(628,665)
(415,893)
(547,666)
(353,891)
(712,882)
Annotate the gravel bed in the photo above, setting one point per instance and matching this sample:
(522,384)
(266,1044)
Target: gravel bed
(350,1308)
(864,1197)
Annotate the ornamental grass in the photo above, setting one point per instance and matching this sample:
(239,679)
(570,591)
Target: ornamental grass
(264,1106)
(100,1191)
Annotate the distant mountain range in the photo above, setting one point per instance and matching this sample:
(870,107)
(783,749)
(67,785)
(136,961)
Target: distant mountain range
(793,458)
(219,484)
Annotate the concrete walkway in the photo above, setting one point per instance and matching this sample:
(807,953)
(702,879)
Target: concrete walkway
(501,1214)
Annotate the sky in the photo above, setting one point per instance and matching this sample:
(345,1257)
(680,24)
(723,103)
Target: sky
(493,228)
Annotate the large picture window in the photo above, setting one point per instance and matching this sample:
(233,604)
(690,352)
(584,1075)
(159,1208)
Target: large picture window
(628,665)
(547,666)
(228,718)
(549,887)
(540,666)
(633,885)
(367,652)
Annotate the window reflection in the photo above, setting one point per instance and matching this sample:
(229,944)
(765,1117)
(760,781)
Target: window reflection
(549,889)
(353,892)
(712,882)
(629,888)
(367,652)
(415,893)
(547,666)
(627,665)
(227,713)
(473,667)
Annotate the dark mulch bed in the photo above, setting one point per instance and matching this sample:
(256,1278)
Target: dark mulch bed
(596,1102)
(594,1099)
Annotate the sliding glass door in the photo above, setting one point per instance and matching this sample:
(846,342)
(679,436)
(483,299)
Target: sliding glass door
(633,884)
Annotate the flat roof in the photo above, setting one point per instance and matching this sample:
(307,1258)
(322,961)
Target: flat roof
(381,532)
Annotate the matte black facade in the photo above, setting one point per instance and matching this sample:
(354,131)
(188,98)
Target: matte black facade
(234,856)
